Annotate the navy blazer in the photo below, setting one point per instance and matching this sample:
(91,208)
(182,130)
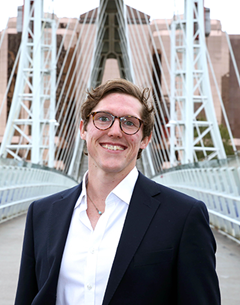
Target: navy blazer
(166,252)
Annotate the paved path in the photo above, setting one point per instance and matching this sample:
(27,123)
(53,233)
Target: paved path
(11,235)
(228,269)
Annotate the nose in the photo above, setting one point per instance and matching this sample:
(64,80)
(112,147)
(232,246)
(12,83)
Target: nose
(115,129)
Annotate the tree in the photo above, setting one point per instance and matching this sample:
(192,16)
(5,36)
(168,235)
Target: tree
(207,141)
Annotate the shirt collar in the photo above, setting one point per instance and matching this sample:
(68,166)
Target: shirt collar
(82,197)
(123,190)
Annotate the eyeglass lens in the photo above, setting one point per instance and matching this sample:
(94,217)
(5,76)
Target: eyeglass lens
(129,124)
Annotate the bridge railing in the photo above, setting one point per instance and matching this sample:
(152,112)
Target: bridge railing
(21,183)
(215,182)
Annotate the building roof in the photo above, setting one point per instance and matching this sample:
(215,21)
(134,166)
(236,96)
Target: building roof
(134,16)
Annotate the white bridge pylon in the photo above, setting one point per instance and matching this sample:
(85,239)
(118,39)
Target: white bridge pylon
(184,110)
(32,113)
(192,110)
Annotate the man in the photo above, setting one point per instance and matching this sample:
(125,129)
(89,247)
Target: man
(118,237)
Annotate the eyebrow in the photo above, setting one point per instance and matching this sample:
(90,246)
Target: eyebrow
(136,116)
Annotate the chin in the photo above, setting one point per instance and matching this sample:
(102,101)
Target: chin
(117,168)
(112,169)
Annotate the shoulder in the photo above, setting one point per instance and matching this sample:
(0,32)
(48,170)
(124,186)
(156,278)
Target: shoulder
(167,195)
(67,195)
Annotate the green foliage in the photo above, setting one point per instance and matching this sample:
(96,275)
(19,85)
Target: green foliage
(226,140)
(207,140)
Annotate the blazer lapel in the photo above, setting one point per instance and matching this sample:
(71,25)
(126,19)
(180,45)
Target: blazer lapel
(140,213)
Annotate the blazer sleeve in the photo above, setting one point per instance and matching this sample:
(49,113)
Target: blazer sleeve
(27,284)
(197,278)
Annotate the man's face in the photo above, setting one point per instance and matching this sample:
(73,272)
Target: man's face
(111,150)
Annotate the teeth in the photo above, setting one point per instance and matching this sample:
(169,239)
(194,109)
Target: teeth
(113,147)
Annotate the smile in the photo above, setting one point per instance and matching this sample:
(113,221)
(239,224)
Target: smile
(112,147)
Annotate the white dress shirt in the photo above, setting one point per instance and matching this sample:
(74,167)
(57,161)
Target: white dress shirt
(88,254)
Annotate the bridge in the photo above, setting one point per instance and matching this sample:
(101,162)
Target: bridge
(57,59)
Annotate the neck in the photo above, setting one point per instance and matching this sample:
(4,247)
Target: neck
(100,185)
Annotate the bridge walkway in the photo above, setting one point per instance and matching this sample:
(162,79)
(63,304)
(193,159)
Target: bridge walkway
(11,236)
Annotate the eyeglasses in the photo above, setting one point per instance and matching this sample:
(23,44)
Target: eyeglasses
(104,120)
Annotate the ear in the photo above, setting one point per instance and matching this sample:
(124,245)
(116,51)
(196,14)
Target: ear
(145,141)
(82,131)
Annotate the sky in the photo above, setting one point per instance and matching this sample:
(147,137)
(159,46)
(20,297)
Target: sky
(225,11)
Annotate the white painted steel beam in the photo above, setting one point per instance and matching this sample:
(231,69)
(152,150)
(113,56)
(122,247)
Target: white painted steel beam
(190,90)
(34,91)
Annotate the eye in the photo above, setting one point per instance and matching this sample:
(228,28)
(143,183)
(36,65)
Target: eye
(130,122)
(103,118)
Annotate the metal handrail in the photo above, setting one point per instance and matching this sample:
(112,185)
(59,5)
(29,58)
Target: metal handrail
(22,183)
(217,183)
